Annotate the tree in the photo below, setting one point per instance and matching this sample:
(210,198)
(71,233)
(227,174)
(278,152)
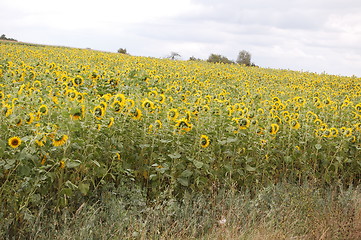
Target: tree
(193,58)
(122,50)
(244,58)
(174,55)
(216,58)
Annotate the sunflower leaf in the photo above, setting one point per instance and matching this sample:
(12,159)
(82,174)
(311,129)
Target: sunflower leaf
(175,155)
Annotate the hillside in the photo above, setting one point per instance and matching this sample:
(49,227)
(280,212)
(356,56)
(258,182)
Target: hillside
(78,124)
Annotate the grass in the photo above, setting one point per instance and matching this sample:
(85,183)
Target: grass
(280,211)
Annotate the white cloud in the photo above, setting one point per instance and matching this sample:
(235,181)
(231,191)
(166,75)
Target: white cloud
(297,34)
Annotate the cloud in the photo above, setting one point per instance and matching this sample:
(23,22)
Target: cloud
(310,35)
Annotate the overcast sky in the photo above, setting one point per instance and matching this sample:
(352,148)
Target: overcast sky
(307,35)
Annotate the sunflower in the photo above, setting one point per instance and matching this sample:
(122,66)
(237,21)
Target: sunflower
(61,164)
(184,125)
(173,114)
(158,124)
(358,107)
(136,114)
(334,132)
(99,112)
(204,141)
(60,141)
(129,103)
(75,116)
(295,124)
(71,94)
(14,142)
(148,105)
(111,122)
(43,110)
(161,98)
(274,128)
(120,98)
(79,97)
(117,106)
(348,132)
(29,118)
(327,133)
(7,110)
(243,123)
(78,80)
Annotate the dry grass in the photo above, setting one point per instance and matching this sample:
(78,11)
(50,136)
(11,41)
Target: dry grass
(276,212)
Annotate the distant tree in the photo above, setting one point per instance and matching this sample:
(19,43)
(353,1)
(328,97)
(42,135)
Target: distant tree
(244,58)
(3,37)
(174,56)
(194,59)
(216,58)
(122,50)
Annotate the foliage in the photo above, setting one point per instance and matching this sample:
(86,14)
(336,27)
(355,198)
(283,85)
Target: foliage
(174,56)
(279,211)
(122,50)
(244,58)
(216,58)
(3,37)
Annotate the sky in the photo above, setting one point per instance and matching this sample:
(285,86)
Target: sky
(322,36)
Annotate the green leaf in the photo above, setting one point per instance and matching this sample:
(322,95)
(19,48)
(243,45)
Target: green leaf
(70,185)
(175,155)
(318,146)
(250,169)
(197,164)
(73,163)
(84,188)
(231,140)
(2,148)
(186,173)
(183,181)
(24,170)
(96,163)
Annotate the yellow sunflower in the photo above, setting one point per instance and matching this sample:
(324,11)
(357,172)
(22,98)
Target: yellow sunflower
(99,112)
(295,124)
(43,110)
(274,128)
(14,142)
(111,122)
(183,125)
(136,114)
(204,141)
(173,114)
(60,141)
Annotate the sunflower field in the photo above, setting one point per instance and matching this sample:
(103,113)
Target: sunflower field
(76,121)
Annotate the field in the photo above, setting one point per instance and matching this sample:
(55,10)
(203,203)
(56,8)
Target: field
(78,126)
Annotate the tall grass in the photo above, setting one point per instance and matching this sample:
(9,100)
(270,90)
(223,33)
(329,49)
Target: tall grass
(281,211)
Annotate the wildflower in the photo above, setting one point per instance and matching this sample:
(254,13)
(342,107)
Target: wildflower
(183,124)
(111,122)
(295,124)
(274,128)
(43,110)
(204,141)
(172,114)
(136,114)
(14,142)
(99,112)
(60,141)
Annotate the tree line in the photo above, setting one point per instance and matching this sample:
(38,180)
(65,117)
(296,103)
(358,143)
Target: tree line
(3,37)
(243,58)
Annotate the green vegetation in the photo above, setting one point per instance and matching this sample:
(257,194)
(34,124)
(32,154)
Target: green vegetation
(106,145)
